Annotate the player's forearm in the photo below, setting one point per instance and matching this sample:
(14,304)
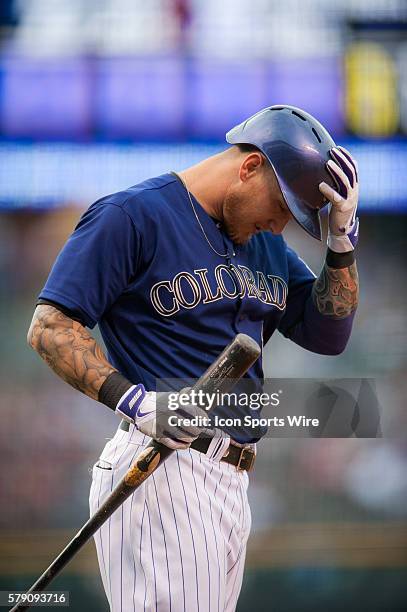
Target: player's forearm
(336,291)
(69,349)
(326,325)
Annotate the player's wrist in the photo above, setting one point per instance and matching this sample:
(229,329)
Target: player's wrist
(343,243)
(121,395)
(339,260)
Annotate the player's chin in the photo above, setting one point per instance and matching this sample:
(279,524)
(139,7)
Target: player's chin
(243,239)
(239,235)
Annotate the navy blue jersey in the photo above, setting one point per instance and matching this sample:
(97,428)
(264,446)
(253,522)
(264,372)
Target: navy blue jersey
(138,264)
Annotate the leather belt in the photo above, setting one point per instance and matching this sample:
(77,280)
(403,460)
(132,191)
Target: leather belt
(242,457)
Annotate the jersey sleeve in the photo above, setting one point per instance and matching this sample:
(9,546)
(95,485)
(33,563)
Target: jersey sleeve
(96,264)
(300,283)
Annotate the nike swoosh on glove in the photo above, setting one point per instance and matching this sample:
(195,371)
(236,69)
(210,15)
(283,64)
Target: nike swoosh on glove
(343,230)
(150,412)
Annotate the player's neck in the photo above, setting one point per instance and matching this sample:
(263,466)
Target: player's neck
(208,181)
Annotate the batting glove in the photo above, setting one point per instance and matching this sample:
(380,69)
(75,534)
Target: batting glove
(153,414)
(343,230)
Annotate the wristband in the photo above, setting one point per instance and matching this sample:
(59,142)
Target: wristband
(339,260)
(113,389)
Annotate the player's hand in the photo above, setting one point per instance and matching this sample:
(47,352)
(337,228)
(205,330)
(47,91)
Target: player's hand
(154,415)
(343,224)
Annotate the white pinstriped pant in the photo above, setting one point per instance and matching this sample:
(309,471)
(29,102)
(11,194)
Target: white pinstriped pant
(177,544)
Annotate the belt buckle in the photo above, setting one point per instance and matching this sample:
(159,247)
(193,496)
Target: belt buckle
(242,458)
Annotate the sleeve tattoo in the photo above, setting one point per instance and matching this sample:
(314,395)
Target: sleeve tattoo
(336,291)
(69,349)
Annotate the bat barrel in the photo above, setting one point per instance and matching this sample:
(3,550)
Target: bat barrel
(230,366)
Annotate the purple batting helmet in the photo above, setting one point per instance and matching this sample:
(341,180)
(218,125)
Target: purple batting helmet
(297,147)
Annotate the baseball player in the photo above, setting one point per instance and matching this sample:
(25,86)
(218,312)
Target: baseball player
(171,270)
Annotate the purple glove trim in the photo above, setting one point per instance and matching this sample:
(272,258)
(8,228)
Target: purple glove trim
(347,170)
(341,187)
(350,160)
(130,402)
(354,233)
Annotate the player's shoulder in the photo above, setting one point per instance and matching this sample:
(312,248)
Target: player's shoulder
(149,196)
(272,249)
(266,242)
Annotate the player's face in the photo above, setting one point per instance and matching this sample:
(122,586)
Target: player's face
(255,205)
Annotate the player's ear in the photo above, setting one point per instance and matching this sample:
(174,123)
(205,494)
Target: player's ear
(251,164)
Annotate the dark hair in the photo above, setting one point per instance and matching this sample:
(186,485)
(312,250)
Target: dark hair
(247,148)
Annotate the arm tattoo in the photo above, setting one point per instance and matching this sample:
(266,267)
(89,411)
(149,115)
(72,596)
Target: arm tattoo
(336,291)
(69,349)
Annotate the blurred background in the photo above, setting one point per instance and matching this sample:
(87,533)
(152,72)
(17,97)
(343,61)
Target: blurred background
(98,95)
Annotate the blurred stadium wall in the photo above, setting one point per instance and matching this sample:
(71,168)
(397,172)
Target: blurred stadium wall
(96,96)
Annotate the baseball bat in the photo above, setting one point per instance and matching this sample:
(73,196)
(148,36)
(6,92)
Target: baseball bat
(221,376)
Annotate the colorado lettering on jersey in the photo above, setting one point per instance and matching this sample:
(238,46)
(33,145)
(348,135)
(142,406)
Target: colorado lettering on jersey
(187,290)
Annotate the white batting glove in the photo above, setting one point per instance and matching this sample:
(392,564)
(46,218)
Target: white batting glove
(343,230)
(153,415)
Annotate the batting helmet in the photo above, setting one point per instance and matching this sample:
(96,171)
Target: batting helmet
(297,146)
